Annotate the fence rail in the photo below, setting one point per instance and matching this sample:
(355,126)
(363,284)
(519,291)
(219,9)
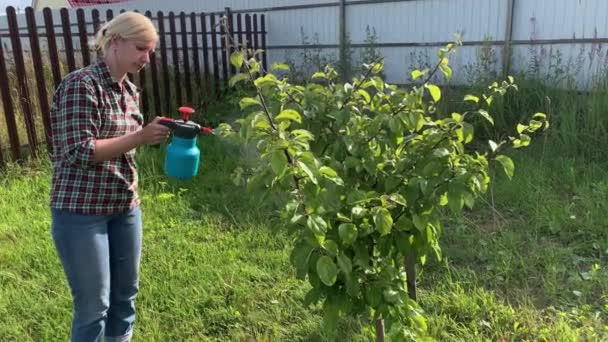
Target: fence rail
(190,66)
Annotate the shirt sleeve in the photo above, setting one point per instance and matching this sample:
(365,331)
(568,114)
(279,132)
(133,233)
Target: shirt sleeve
(78,121)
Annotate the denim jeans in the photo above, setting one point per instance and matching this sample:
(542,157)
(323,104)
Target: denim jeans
(100,256)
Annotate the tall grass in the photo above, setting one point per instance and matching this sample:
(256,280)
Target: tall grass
(548,83)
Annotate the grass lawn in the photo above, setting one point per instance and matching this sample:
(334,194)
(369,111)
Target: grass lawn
(213,269)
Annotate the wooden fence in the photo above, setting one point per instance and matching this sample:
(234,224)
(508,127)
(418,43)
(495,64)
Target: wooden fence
(192,63)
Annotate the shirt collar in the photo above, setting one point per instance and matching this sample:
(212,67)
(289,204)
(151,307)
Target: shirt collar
(103,71)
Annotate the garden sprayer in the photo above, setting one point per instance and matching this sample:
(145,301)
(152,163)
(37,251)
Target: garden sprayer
(182,155)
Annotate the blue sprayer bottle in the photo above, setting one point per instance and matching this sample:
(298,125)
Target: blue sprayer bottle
(182,155)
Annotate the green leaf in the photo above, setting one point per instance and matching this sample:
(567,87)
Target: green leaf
(488,99)
(331,247)
(237,59)
(359,211)
(289,114)
(327,270)
(328,172)
(435,91)
(237,78)
(377,68)
(493,145)
(397,198)
(279,66)
(348,233)
(404,224)
(318,74)
(308,171)
(455,197)
(507,165)
(373,294)
(316,224)
(312,296)
(446,70)
(303,135)
(365,95)
(535,125)
(391,296)
(468,132)
(521,128)
(416,74)
(300,256)
(278,162)
(523,141)
(420,222)
(345,264)
(383,221)
(268,79)
(248,102)
(486,115)
(471,98)
(352,286)
(254,66)
(441,152)
(331,313)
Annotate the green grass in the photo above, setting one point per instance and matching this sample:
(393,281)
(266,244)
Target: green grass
(213,269)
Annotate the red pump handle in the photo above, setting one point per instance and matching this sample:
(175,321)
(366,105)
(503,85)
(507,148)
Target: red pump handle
(186,112)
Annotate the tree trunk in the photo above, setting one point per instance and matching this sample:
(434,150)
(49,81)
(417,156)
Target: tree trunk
(379,330)
(410,271)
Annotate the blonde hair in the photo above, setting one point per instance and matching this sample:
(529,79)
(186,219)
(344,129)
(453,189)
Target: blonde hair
(129,26)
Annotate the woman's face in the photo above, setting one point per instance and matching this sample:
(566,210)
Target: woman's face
(131,56)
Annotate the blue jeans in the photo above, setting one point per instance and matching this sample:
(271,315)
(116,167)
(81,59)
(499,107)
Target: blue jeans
(100,256)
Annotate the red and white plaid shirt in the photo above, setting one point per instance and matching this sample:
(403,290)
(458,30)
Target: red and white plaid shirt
(90,105)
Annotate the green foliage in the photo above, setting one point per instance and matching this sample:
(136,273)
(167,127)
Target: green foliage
(367,167)
(370,53)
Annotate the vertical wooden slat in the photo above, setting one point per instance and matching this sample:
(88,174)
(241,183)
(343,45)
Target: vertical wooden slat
(216,69)
(24,96)
(263,33)
(67,39)
(195,56)
(145,108)
(163,56)
(52,45)
(239,28)
(175,55)
(154,72)
(187,71)
(256,33)
(9,112)
(224,51)
(248,39)
(205,54)
(96,25)
(43,99)
(230,41)
(82,33)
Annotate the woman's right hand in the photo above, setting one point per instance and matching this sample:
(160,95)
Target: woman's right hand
(154,133)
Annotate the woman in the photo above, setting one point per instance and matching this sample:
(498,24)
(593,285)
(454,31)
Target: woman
(96,220)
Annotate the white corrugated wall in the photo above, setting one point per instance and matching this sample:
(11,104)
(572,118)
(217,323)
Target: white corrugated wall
(428,21)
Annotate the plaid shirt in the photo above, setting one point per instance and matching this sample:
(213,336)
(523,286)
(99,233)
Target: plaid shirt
(90,105)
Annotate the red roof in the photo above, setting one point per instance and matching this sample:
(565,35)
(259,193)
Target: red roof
(83,3)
